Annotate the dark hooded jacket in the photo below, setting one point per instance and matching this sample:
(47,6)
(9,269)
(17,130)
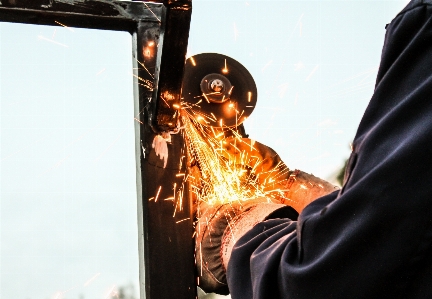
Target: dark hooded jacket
(373,239)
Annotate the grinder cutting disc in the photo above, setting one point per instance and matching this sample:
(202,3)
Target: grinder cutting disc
(219,90)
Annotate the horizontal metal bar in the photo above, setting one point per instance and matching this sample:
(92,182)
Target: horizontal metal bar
(95,14)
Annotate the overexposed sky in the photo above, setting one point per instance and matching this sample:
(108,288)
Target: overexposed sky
(314,63)
(67,173)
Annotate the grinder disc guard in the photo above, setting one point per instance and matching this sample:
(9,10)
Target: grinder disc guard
(219,91)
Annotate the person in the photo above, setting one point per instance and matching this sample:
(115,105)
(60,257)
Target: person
(370,239)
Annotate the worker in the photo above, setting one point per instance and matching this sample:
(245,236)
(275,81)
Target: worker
(370,239)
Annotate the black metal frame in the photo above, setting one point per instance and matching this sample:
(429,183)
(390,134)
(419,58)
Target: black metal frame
(160,32)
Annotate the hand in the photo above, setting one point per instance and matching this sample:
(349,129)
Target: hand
(294,188)
(219,227)
(161,148)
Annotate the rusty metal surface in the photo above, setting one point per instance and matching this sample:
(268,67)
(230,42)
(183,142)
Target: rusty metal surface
(159,32)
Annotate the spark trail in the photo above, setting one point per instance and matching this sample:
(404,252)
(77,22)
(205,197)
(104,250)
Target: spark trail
(223,177)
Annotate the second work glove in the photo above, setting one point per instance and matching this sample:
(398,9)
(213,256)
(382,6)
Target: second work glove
(219,227)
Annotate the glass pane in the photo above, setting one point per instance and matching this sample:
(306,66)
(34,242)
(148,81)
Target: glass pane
(68,190)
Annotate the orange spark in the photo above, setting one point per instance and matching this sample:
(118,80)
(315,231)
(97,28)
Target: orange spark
(142,64)
(68,28)
(52,41)
(230,91)
(91,279)
(101,71)
(215,119)
(205,96)
(138,120)
(225,69)
(312,72)
(157,194)
(182,220)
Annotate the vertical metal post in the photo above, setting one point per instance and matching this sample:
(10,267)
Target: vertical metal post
(167,219)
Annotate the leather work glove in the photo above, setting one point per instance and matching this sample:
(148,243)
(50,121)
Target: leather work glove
(217,230)
(220,226)
(292,187)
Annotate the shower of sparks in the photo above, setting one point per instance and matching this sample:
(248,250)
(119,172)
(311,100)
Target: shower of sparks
(224,177)
(220,181)
(146,83)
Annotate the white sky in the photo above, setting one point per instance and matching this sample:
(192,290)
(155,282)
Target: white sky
(67,172)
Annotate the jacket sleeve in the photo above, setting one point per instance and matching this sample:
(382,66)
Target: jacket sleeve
(373,239)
